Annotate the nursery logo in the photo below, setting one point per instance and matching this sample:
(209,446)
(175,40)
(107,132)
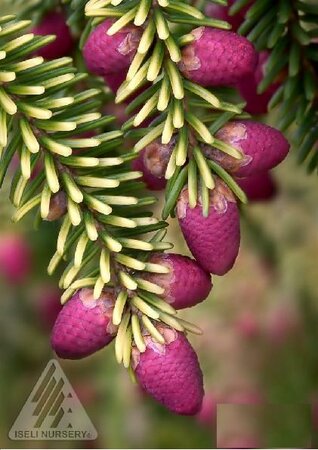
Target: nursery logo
(53,411)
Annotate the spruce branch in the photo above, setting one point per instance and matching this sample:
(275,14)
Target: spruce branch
(293,58)
(180,110)
(37,9)
(107,232)
(76,166)
(34,9)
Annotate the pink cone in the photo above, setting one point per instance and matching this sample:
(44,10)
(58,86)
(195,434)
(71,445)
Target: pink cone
(187,283)
(214,241)
(262,146)
(258,103)
(218,58)
(222,13)
(171,373)
(153,162)
(111,55)
(15,258)
(114,80)
(55,23)
(84,325)
(259,187)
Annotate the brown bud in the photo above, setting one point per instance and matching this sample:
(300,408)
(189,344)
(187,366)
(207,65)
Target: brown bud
(58,205)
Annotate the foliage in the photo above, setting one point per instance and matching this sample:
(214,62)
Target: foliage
(43,119)
(47,108)
(181,108)
(293,46)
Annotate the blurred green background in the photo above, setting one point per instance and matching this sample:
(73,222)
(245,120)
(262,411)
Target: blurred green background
(258,351)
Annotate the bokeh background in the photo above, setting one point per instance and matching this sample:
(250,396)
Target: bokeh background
(258,351)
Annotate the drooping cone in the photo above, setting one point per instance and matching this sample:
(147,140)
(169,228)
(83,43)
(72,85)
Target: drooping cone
(214,241)
(258,103)
(152,162)
(262,146)
(170,373)
(218,58)
(185,285)
(55,23)
(110,56)
(84,325)
(114,80)
(258,187)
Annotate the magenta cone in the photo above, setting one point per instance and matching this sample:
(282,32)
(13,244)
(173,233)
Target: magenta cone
(84,325)
(55,23)
(258,103)
(259,187)
(218,58)
(187,283)
(106,55)
(214,241)
(171,373)
(261,146)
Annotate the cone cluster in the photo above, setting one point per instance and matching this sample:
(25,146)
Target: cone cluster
(169,369)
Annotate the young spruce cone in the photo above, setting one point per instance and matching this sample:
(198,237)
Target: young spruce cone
(185,285)
(84,325)
(214,241)
(259,187)
(110,56)
(170,373)
(262,146)
(55,23)
(218,58)
(258,103)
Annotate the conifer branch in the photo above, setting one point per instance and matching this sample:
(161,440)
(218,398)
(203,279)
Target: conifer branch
(293,59)
(179,109)
(77,167)
(86,181)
